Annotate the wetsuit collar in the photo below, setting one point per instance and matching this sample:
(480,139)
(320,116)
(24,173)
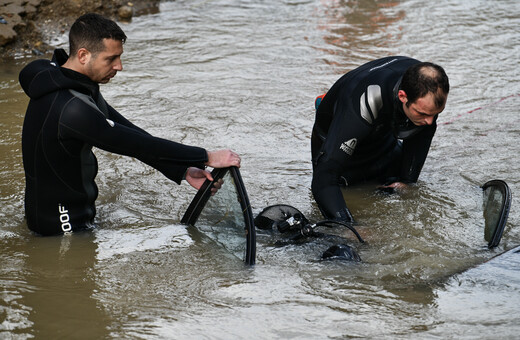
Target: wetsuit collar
(92,88)
(81,78)
(60,57)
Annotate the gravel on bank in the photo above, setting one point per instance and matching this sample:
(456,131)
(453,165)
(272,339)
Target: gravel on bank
(28,27)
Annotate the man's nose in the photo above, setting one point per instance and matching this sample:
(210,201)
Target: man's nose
(118,66)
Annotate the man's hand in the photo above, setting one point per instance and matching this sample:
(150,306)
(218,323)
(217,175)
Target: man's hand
(223,159)
(393,187)
(196,177)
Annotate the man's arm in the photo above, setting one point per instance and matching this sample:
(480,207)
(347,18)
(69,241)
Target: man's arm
(115,116)
(346,130)
(415,151)
(327,192)
(84,122)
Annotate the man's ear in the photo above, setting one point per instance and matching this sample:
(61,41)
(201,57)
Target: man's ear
(83,56)
(402,96)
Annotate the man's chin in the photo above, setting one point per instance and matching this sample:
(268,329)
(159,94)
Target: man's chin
(107,79)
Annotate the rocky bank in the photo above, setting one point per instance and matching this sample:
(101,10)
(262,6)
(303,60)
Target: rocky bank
(27,26)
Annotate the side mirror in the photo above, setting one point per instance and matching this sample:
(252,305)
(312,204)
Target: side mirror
(496,205)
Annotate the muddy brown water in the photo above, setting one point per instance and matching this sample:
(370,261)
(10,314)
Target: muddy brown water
(244,74)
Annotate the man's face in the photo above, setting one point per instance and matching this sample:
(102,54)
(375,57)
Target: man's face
(104,65)
(422,111)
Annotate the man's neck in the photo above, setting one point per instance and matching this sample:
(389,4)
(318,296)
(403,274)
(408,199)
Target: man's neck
(73,65)
(93,87)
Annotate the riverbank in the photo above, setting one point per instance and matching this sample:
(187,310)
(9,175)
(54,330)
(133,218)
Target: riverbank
(28,27)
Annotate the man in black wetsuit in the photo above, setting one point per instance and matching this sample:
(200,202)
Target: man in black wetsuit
(375,123)
(67,116)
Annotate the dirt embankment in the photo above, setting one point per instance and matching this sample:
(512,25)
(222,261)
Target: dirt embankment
(27,26)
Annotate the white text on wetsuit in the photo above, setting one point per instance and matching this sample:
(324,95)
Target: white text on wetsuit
(64,219)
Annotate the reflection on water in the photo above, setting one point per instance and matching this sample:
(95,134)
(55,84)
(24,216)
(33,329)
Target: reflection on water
(359,30)
(244,74)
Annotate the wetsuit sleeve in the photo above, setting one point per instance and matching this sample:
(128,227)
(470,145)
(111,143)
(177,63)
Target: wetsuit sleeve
(346,130)
(118,118)
(85,122)
(326,189)
(415,151)
(168,169)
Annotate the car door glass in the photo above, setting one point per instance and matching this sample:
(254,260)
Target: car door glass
(225,217)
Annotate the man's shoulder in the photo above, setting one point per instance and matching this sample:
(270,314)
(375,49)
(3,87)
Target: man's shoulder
(381,75)
(376,71)
(389,64)
(81,101)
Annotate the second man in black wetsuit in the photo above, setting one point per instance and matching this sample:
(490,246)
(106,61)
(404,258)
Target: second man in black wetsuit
(375,123)
(67,116)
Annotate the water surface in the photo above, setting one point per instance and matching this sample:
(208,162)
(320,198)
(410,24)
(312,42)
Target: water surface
(244,75)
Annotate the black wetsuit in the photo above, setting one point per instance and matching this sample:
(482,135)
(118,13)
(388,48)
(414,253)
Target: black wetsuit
(65,118)
(361,133)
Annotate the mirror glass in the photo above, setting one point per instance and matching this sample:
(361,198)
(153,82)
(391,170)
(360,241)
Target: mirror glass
(496,204)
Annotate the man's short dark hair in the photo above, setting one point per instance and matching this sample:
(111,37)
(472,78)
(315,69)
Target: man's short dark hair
(89,30)
(422,78)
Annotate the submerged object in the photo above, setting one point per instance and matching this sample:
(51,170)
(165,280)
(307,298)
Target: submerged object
(341,252)
(280,216)
(289,220)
